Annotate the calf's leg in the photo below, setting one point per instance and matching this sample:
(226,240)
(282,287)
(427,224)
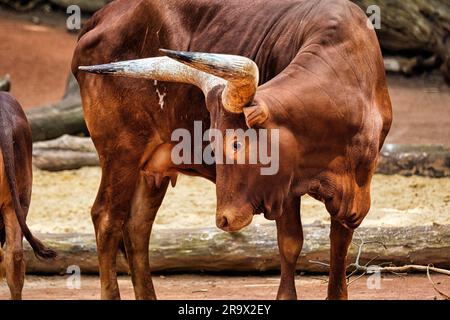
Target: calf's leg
(14,263)
(137,229)
(341,239)
(290,242)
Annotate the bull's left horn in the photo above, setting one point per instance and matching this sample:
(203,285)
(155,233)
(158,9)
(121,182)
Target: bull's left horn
(158,68)
(241,73)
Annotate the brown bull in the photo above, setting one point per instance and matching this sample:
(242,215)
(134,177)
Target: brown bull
(16,177)
(317,78)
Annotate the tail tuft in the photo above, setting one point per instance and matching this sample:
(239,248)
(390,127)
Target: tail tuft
(41,251)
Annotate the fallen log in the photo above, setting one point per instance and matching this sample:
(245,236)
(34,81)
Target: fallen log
(64,117)
(65,153)
(408,66)
(408,160)
(252,250)
(414,26)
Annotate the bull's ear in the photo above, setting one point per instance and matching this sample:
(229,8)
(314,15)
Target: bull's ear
(256,115)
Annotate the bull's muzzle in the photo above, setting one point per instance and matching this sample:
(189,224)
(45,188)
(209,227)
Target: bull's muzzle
(233,220)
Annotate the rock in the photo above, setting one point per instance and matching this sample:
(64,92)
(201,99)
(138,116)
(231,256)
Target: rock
(5,83)
(36,20)
(427,160)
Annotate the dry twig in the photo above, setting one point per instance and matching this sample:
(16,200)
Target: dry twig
(362,270)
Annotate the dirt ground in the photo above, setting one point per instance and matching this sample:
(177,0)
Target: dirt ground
(38,59)
(207,287)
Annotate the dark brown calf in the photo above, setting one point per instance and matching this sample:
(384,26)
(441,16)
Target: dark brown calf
(15,193)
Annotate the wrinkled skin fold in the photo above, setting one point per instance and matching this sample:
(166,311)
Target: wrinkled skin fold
(312,70)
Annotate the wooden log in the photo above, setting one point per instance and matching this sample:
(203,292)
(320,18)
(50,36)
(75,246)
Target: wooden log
(414,26)
(64,117)
(51,122)
(65,153)
(408,160)
(408,66)
(252,250)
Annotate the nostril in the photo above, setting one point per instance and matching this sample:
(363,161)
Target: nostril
(223,222)
(353,217)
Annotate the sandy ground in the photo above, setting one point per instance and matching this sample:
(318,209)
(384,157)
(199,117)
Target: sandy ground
(202,287)
(62,201)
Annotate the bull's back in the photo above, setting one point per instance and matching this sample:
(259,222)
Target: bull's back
(272,33)
(132,29)
(125,30)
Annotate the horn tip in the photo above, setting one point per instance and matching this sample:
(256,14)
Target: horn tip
(177,55)
(100,69)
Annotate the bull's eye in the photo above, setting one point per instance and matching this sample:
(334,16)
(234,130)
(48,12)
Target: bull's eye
(237,145)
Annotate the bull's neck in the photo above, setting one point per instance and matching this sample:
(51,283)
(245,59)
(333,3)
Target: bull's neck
(282,98)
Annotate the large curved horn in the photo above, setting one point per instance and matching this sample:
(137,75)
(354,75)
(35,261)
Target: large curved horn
(159,68)
(241,73)
(238,74)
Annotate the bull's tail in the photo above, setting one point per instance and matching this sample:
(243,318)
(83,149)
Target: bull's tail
(7,149)
(2,233)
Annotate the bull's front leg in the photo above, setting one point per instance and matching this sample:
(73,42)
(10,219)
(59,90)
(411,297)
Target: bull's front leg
(341,239)
(290,242)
